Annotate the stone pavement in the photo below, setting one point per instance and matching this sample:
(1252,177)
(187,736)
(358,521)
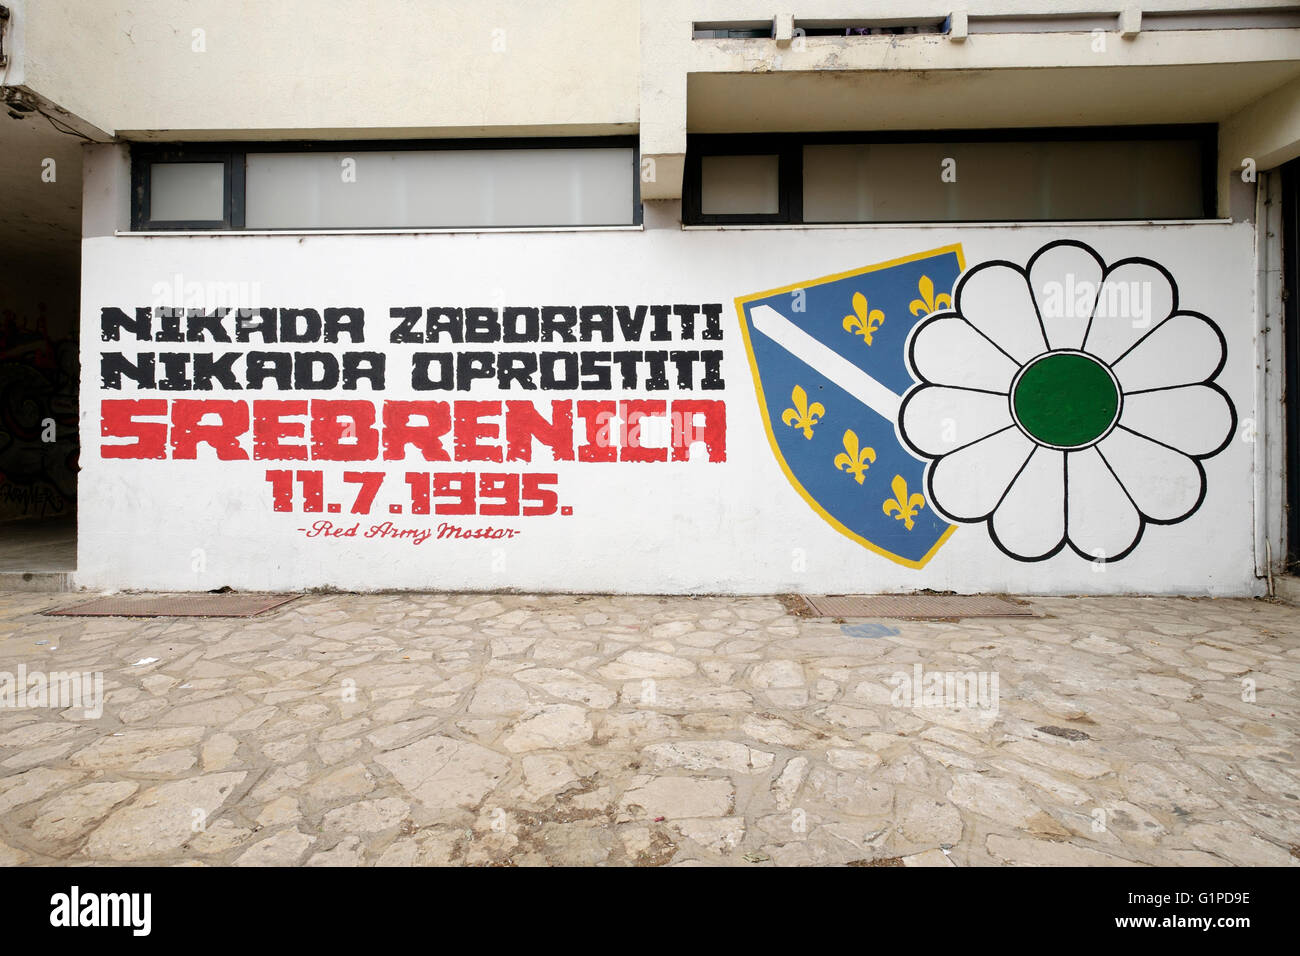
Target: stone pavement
(497,730)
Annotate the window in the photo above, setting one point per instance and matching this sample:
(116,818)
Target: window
(741,179)
(194,189)
(765,29)
(187,192)
(471,184)
(740,185)
(968,176)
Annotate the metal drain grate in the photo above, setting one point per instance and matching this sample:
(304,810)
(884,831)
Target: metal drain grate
(915,606)
(177,605)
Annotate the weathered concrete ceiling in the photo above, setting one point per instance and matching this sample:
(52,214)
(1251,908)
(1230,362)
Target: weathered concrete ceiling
(40,220)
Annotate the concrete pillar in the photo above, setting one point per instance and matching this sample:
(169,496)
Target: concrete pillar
(106,189)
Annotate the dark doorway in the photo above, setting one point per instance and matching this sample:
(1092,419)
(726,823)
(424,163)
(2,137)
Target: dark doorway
(38,419)
(40,269)
(1291,332)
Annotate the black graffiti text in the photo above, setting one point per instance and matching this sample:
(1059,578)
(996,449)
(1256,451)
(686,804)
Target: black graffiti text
(556,323)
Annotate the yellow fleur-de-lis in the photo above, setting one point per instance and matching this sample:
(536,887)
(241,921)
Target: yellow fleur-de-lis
(803,415)
(864,321)
(854,460)
(928,302)
(902,507)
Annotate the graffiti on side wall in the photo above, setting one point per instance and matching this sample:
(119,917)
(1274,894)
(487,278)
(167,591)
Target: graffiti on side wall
(1065,403)
(38,419)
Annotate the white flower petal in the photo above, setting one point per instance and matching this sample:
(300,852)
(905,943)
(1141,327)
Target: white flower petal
(1165,484)
(1134,297)
(947,350)
(1101,521)
(995,298)
(968,484)
(1195,419)
(1030,521)
(936,420)
(1065,279)
(1183,349)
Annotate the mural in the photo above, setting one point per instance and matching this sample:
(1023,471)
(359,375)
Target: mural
(1067,402)
(829,364)
(577,411)
(485,433)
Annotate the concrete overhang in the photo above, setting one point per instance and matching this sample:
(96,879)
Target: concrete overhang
(282,134)
(977,99)
(928,82)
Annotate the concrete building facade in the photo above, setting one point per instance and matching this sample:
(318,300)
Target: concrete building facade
(653,297)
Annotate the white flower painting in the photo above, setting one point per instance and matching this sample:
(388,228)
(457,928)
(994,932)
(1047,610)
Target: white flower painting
(1068,402)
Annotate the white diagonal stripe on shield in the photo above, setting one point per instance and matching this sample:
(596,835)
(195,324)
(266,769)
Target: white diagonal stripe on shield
(826,361)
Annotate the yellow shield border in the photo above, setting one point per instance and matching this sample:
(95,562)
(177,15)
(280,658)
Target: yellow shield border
(767,420)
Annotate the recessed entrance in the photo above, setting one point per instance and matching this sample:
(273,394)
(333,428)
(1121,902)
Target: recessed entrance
(40,248)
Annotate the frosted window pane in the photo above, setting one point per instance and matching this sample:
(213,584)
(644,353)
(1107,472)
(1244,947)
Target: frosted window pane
(736,185)
(187,192)
(439,188)
(1015,181)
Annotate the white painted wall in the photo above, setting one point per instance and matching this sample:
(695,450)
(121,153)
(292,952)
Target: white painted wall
(737,526)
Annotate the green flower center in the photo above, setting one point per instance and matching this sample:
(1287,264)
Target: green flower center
(1065,399)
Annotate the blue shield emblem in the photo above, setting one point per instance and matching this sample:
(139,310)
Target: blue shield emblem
(830,371)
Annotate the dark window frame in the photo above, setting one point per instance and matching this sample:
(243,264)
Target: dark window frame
(144,155)
(789,152)
(142,162)
(790,147)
